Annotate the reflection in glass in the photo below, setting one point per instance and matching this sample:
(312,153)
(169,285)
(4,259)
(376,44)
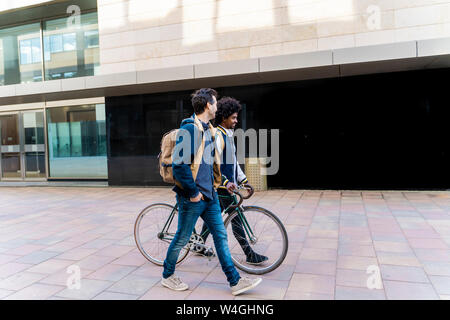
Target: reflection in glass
(77,141)
(11,165)
(20,54)
(33,124)
(9,130)
(35,164)
(71,52)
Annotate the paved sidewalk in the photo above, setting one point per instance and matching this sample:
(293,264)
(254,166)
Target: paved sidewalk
(334,238)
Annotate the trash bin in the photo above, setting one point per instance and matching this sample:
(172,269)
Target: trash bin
(255,171)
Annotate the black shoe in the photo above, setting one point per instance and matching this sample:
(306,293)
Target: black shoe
(205,253)
(256,259)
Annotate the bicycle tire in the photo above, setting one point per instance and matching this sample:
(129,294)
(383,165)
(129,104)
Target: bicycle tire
(236,250)
(158,260)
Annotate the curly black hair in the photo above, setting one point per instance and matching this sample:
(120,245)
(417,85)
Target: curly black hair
(225,108)
(201,97)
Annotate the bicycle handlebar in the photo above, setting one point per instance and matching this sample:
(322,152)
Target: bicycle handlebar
(241,197)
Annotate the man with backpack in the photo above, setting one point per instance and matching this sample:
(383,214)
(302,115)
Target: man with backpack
(196,173)
(232,175)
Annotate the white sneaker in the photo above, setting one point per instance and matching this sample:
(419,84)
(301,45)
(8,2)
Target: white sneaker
(174,282)
(244,284)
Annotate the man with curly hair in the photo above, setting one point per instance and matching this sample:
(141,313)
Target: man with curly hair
(226,120)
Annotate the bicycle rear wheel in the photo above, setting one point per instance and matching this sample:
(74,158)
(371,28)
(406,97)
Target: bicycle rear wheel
(262,233)
(151,240)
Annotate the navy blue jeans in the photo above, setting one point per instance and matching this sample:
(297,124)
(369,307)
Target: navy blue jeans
(188,214)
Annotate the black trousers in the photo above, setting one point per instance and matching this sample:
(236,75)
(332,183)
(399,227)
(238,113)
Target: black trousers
(225,199)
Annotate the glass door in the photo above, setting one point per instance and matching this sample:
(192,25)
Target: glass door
(11,164)
(22,145)
(34,144)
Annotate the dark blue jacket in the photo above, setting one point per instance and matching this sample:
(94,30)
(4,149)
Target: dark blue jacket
(182,171)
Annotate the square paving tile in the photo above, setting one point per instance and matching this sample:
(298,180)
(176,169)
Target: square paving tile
(316,267)
(134,285)
(318,254)
(111,272)
(352,278)
(312,283)
(37,291)
(436,255)
(392,246)
(398,258)
(320,243)
(11,268)
(355,262)
(396,290)
(298,295)
(76,254)
(441,284)
(351,293)
(438,268)
(106,295)
(20,280)
(356,250)
(211,291)
(115,251)
(89,288)
(94,262)
(403,273)
(422,243)
(4,293)
(158,292)
(51,266)
(133,258)
(267,290)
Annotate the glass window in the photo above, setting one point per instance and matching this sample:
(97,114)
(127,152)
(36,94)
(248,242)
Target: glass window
(70,41)
(91,39)
(77,142)
(20,54)
(56,44)
(46,45)
(73,52)
(36,50)
(25,52)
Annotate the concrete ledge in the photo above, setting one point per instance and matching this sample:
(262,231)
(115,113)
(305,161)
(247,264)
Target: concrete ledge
(111,80)
(167,74)
(413,55)
(38,87)
(296,61)
(376,53)
(8,91)
(226,68)
(433,47)
(73,84)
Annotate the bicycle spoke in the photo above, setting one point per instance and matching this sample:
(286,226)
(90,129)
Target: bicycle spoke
(255,249)
(152,242)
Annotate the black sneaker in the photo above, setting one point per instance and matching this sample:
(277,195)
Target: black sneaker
(205,253)
(256,259)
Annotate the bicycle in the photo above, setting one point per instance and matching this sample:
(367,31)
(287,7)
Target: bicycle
(156,225)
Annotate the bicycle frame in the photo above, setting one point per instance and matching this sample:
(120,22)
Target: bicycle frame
(163,234)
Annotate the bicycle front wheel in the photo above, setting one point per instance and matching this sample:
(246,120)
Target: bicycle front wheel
(256,233)
(154,230)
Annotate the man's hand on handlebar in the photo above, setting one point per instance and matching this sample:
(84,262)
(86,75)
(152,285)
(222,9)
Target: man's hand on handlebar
(231,187)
